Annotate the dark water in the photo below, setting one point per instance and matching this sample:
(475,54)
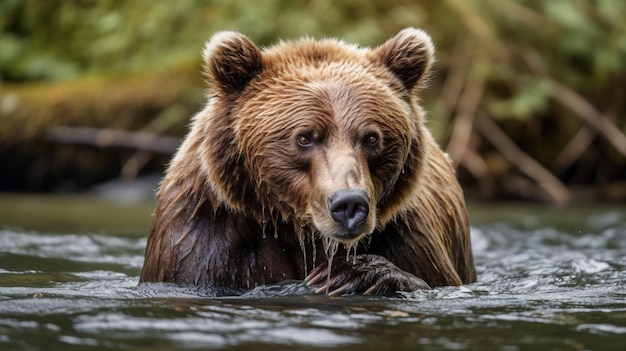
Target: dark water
(549,279)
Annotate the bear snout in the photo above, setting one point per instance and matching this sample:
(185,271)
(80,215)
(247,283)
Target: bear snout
(350,208)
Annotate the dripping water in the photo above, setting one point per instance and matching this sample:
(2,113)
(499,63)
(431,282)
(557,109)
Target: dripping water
(301,237)
(351,248)
(274,219)
(263,222)
(263,226)
(330,246)
(305,232)
(314,246)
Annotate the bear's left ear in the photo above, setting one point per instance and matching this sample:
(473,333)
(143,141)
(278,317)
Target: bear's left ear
(231,60)
(409,55)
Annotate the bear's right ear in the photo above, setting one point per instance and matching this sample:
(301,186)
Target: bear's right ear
(231,61)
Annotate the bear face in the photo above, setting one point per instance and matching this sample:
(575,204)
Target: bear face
(303,129)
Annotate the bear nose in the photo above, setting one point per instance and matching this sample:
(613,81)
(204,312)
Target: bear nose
(349,207)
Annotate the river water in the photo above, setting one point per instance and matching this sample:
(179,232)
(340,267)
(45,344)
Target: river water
(548,279)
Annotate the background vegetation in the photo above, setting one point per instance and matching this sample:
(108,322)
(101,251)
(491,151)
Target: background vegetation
(528,97)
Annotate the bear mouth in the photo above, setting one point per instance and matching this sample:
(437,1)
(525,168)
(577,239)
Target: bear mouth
(326,227)
(337,233)
(348,236)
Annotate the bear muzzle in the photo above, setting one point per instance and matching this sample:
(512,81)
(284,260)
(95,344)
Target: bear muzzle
(349,208)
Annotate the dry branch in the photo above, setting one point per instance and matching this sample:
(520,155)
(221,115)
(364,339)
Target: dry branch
(574,149)
(463,123)
(114,138)
(458,67)
(546,180)
(590,115)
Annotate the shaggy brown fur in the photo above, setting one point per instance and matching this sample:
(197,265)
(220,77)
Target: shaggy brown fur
(301,147)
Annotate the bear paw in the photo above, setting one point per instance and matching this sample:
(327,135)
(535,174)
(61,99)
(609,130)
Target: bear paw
(366,274)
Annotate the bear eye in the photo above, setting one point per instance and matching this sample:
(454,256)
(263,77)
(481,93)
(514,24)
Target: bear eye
(371,139)
(303,140)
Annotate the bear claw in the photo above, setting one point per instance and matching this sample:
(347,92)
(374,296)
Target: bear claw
(368,275)
(315,277)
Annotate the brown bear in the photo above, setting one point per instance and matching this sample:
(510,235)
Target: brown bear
(312,154)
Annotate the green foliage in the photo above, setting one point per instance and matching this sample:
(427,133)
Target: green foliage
(514,56)
(532,98)
(580,42)
(60,39)
(63,39)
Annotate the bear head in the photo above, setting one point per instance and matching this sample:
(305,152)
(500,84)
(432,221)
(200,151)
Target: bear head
(324,134)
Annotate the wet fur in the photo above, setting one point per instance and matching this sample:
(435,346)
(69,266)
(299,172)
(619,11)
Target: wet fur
(234,210)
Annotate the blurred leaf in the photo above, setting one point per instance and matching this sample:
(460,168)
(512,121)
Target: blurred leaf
(567,13)
(531,99)
(517,47)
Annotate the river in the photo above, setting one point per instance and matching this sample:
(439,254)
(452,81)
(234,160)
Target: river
(549,278)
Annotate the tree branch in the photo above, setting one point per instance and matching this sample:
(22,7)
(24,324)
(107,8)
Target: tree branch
(114,138)
(463,122)
(589,114)
(546,180)
(574,149)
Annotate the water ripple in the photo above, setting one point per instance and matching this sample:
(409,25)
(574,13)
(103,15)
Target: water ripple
(563,287)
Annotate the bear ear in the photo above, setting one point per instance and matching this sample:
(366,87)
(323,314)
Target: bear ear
(231,61)
(409,56)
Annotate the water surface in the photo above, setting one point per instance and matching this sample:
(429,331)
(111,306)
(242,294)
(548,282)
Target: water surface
(548,279)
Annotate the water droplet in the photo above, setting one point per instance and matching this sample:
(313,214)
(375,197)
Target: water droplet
(263,225)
